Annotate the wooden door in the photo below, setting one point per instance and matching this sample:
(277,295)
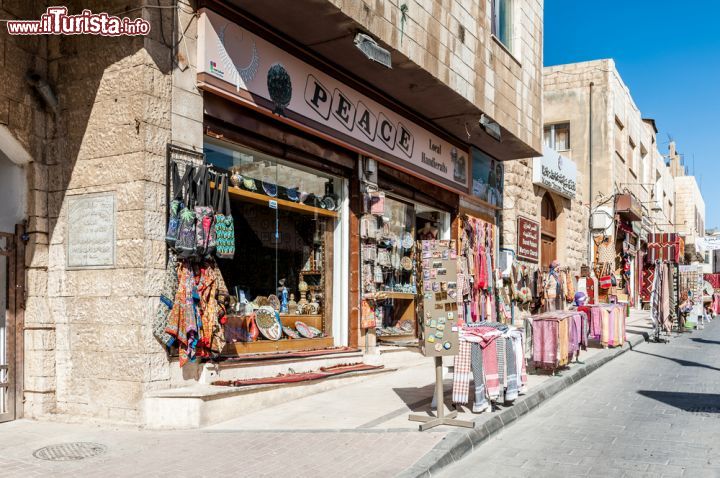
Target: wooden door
(11,317)
(548,231)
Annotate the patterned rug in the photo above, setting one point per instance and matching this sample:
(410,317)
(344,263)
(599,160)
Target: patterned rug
(324,372)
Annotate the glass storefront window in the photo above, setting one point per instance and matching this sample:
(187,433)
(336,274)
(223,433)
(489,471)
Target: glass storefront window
(287,222)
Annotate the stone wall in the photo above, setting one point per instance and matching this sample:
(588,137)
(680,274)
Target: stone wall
(507,85)
(89,350)
(523,198)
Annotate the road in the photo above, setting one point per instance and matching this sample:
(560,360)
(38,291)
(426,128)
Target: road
(653,412)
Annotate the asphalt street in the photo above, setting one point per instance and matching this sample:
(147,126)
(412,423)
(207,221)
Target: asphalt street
(653,412)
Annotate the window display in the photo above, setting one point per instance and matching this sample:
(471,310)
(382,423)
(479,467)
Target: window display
(388,233)
(281,276)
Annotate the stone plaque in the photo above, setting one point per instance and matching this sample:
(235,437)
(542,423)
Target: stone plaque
(91,231)
(528,239)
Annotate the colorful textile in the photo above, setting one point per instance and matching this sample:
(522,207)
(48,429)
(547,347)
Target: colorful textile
(476,359)
(648,280)
(713,279)
(461,375)
(490,367)
(545,343)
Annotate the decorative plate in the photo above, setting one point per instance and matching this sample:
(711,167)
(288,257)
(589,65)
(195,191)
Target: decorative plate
(316,332)
(268,322)
(328,203)
(293,195)
(406,263)
(290,332)
(249,184)
(270,189)
(304,330)
(406,326)
(274,302)
(261,301)
(407,241)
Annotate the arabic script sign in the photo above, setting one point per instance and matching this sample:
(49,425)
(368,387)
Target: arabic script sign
(555,172)
(91,231)
(528,239)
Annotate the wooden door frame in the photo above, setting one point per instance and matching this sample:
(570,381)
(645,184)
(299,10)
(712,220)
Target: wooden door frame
(15,318)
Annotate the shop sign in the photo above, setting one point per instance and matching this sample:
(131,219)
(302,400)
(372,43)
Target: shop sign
(628,207)
(708,243)
(487,178)
(255,72)
(91,231)
(555,172)
(528,239)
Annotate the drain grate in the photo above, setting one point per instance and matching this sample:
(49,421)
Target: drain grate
(70,451)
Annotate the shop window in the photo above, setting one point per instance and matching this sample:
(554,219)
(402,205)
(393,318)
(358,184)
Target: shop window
(389,230)
(619,144)
(557,136)
(502,21)
(287,225)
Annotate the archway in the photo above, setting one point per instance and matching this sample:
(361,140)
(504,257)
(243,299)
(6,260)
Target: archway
(548,230)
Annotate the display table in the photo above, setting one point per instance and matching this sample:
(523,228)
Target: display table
(557,336)
(607,323)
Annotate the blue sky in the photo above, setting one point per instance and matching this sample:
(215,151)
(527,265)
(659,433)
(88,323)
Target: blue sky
(668,55)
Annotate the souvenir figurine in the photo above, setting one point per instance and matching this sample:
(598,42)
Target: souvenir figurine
(283,293)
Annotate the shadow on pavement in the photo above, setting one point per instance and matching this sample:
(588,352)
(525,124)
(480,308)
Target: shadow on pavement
(705,341)
(687,401)
(684,363)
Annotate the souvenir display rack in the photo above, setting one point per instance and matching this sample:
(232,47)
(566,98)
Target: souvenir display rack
(387,234)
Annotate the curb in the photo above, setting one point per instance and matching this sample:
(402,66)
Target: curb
(459,443)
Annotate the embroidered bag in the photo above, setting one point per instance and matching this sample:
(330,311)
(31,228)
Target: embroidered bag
(204,214)
(224,224)
(167,298)
(185,244)
(176,204)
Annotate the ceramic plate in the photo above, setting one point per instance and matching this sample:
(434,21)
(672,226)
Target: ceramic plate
(407,241)
(290,332)
(268,322)
(304,330)
(274,302)
(315,332)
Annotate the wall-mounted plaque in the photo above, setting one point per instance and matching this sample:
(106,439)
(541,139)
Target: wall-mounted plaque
(90,235)
(528,239)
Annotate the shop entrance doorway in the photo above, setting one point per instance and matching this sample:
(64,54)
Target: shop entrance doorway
(11,293)
(548,230)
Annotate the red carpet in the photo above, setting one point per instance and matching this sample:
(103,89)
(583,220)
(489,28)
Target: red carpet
(300,377)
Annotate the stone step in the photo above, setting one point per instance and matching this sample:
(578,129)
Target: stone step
(202,405)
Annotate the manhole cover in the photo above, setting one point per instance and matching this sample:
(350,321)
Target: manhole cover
(69,451)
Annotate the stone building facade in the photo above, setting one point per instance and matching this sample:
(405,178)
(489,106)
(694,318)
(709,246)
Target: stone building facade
(689,205)
(116,103)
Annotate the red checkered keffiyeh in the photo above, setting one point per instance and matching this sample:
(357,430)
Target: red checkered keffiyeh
(461,378)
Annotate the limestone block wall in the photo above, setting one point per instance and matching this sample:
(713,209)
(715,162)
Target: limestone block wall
(89,350)
(452,39)
(522,198)
(688,200)
(24,116)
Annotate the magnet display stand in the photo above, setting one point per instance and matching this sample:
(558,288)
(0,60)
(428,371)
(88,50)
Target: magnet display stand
(439,322)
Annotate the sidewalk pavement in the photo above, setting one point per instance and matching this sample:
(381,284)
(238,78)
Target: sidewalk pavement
(357,430)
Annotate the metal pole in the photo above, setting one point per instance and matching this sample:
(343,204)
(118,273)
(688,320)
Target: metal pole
(590,178)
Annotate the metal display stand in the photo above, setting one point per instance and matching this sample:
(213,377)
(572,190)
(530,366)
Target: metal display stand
(429,421)
(438,319)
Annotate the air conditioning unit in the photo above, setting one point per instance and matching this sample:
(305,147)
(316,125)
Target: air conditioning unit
(602,219)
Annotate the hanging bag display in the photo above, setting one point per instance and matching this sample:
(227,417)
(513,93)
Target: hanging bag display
(224,223)
(204,214)
(185,244)
(605,281)
(176,204)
